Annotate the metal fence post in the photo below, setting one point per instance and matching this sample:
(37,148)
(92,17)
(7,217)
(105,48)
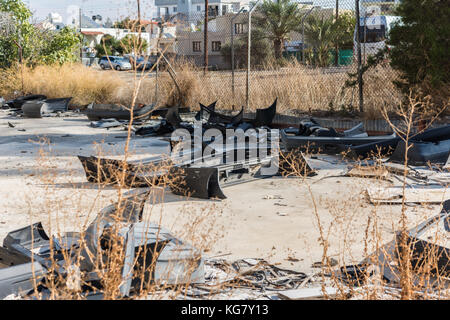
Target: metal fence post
(205,40)
(358,46)
(249,44)
(232,54)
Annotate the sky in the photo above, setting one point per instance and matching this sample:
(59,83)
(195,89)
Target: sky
(114,9)
(117,9)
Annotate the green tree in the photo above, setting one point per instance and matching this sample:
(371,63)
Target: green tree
(62,47)
(18,41)
(276,19)
(324,33)
(420,46)
(131,43)
(107,46)
(344,28)
(320,35)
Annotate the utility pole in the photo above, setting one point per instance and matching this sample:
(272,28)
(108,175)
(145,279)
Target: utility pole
(358,46)
(232,54)
(139,25)
(206,37)
(81,47)
(249,46)
(336,58)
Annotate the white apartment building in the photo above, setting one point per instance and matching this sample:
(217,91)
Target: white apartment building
(193,8)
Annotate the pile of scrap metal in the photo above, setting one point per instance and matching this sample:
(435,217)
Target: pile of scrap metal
(430,146)
(37,106)
(192,173)
(429,253)
(311,136)
(28,259)
(430,244)
(210,119)
(110,115)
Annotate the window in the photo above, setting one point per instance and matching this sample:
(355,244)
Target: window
(196,46)
(199,8)
(174,9)
(224,9)
(216,46)
(238,28)
(371,35)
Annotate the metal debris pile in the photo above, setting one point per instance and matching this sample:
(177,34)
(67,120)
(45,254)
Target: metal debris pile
(26,253)
(37,106)
(29,259)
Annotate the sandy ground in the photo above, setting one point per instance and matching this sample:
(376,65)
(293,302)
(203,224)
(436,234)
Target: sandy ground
(276,219)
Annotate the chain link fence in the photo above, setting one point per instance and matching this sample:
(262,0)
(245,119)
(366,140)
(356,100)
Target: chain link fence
(313,66)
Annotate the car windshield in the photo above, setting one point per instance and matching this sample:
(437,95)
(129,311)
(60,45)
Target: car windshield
(371,35)
(121,59)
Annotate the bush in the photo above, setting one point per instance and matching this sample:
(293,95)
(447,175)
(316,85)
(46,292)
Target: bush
(37,46)
(420,45)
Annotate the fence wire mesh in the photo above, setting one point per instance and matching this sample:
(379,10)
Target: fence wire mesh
(307,59)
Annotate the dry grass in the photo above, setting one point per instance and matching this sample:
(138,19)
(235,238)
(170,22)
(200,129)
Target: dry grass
(70,80)
(298,89)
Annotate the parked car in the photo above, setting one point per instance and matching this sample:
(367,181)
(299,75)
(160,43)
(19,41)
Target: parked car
(145,63)
(117,63)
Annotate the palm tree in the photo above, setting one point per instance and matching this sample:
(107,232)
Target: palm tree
(320,34)
(277,19)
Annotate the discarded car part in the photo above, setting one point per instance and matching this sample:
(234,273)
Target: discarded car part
(357,275)
(217,118)
(30,241)
(156,130)
(356,131)
(310,127)
(19,278)
(206,181)
(97,112)
(204,176)
(264,117)
(384,147)
(330,145)
(412,194)
(175,262)
(433,135)
(422,153)
(151,253)
(294,163)
(170,123)
(173,117)
(200,183)
(128,211)
(171,260)
(205,111)
(17,103)
(429,243)
(106,123)
(36,109)
(109,171)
